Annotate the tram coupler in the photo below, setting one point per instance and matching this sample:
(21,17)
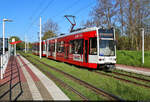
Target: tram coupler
(107,67)
(110,67)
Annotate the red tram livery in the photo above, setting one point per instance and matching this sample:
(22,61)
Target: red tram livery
(90,47)
(35,48)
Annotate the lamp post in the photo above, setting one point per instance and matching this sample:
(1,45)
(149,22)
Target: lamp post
(25,44)
(8,46)
(4,20)
(13,40)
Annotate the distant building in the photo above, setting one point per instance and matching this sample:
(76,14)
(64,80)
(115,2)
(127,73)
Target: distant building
(1,45)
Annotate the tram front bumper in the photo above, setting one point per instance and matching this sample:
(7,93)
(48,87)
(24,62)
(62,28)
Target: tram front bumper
(107,60)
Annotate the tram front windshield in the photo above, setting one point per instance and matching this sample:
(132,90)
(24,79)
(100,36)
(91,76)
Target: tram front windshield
(106,48)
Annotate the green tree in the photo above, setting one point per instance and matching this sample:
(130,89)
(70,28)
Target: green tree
(48,34)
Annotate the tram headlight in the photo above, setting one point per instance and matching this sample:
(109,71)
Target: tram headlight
(101,59)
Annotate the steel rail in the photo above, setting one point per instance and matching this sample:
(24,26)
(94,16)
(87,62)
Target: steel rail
(65,85)
(137,78)
(90,86)
(122,79)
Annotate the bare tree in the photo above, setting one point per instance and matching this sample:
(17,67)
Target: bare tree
(50,26)
(135,10)
(121,14)
(88,23)
(126,15)
(104,12)
(50,29)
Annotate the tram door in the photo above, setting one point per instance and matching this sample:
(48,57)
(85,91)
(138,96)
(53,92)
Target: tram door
(86,51)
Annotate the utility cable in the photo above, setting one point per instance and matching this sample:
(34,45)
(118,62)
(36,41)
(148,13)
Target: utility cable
(50,2)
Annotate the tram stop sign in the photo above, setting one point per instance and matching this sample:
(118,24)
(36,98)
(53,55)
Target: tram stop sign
(14,42)
(13,39)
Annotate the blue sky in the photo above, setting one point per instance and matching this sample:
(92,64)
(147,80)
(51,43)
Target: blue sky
(25,15)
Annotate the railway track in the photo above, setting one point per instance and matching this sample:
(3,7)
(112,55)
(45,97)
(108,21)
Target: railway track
(65,85)
(136,74)
(99,91)
(137,78)
(122,79)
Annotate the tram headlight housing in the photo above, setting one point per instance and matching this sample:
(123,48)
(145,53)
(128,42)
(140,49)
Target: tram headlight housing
(101,59)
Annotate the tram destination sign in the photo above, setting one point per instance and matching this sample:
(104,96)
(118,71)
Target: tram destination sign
(106,33)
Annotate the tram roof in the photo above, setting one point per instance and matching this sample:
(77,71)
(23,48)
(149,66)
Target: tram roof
(75,32)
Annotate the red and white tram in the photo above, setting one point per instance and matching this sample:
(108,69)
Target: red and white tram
(90,47)
(35,48)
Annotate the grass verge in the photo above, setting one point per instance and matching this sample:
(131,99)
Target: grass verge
(133,58)
(116,87)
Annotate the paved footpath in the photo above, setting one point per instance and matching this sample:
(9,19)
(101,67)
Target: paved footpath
(23,81)
(139,70)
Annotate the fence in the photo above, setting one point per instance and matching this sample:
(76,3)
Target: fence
(3,63)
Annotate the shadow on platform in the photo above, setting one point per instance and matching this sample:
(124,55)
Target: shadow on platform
(11,81)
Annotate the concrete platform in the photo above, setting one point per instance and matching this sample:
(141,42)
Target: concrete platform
(23,81)
(139,70)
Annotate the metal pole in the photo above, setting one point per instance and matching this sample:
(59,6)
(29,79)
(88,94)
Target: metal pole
(28,46)
(15,49)
(25,44)
(3,36)
(8,46)
(40,38)
(143,45)
(115,38)
(1,66)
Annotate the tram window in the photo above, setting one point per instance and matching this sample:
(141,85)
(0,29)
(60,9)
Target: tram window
(37,47)
(93,46)
(43,47)
(60,47)
(49,47)
(71,47)
(78,46)
(53,47)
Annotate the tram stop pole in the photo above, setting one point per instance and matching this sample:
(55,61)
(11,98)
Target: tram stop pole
(14,43)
